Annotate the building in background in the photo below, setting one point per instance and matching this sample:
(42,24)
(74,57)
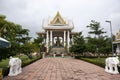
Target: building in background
(117,42)
(58,33)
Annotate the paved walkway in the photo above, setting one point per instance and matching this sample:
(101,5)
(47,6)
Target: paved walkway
(63,69)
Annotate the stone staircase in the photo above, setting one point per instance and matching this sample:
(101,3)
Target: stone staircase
(58,51)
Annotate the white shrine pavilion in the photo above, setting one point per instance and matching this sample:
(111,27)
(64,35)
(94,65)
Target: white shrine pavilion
(117,41)
(57,32)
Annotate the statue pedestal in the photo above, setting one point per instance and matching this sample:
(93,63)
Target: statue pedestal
(112,65)
(62,55)
(15,66)
(43,55)
(54,55)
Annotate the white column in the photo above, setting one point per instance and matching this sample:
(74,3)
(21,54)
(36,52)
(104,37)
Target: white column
(47,39)
(64,38)
(51,37)
(68,39)
(44,40)
(72,40)
(118,49)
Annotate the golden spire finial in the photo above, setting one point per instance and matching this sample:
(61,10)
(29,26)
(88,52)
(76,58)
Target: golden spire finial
(58,19)
(58,12)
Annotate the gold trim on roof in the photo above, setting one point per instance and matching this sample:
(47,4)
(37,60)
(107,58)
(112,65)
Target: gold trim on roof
(58,20)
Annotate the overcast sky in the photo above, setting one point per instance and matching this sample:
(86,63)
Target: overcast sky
(30,13)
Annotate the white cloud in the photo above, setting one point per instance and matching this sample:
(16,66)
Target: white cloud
(30,13)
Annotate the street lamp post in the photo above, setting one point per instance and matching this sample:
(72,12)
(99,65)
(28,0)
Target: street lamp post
(111,36)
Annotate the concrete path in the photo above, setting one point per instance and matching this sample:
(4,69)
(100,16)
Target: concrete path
(63,69)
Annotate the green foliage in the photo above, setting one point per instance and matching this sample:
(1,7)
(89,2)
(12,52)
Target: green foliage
(90,47)
(2,17)
(95,27)
(99,43)
(39,42)
(79,44)
(28,48)
(3,24)
(15,34)
(104,45)
(97,61)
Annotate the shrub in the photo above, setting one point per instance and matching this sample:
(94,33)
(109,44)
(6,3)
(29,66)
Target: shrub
(97,61)
(93,59)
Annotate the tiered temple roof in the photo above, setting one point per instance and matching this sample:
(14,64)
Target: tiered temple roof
(57,22)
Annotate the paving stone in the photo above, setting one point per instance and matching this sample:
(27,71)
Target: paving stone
(63,69)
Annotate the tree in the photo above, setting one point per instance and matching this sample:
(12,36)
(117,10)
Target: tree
(28,48)
(99,43)
(13,33)
(105,43)
(90,45)
(96,29)
(39,42)
(79,44)
(3,24)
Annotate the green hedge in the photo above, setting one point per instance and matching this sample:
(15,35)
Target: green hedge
(100,61)
(78,57)
(93,59)
(97,61)
(25,61)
